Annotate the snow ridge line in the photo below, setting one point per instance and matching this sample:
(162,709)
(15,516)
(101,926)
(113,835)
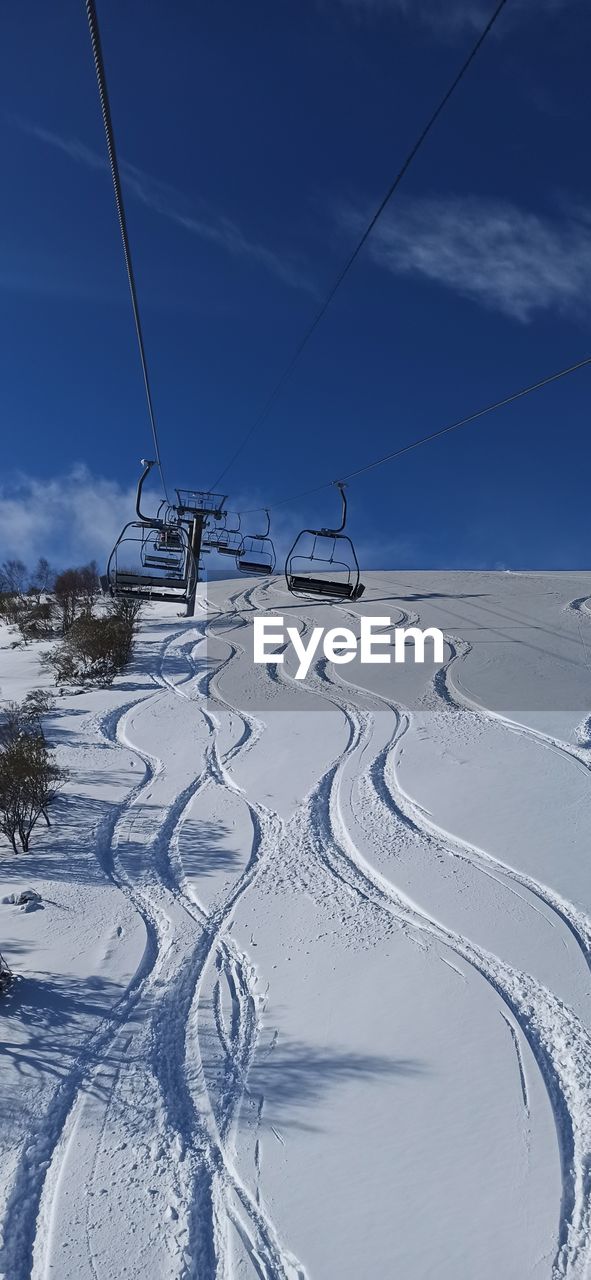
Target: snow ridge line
(517,1047)
(559,1042)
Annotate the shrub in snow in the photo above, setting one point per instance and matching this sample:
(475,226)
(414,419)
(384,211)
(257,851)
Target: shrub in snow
(34,618)
(29,777)
(5,975)
(25,603)
(95,649)
(76,592)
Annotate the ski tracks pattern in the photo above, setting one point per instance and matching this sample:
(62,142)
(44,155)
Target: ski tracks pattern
(156,1090)
(145,1068)
(560,1043)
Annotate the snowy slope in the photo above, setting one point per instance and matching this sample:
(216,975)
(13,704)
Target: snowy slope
(308,997)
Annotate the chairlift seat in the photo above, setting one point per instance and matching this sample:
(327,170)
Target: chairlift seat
(325,587)
(249,566)
(146,580)
(148,593)
(168,544)
(176,581)
(162,562)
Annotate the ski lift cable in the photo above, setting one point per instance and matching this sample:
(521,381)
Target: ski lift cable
(112,153)
(262,415)
(433,435)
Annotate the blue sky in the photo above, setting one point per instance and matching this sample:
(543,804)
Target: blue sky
(254,139)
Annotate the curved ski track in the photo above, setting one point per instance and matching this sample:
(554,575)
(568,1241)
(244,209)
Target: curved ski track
(180,939)
(560,1043)
(159,1013)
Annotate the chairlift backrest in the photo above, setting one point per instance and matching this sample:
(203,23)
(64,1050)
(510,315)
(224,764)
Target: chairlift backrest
(157,576)
(330,551)
(256,553)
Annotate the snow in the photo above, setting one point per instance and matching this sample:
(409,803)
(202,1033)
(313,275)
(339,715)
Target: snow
(306,993)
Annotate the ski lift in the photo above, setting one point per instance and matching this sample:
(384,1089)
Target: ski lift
(317,552)
(256,553)
(142,564)
(159,552)
(154,577)
(218,536)
(198,502)
(169,539)
(229,539)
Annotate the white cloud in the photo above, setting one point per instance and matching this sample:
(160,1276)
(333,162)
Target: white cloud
(506,258)
(166,200)
(69,518)
(454,15)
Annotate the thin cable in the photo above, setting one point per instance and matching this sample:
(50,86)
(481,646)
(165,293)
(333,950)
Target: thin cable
(433,435)
(360,243)
(112,151)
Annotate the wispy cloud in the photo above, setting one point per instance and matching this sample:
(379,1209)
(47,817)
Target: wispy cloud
(69,518)
(447,16)
(493,252)
(164,199)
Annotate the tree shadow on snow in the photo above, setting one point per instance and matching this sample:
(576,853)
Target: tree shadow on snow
(291,1077)
(46,1017)
(201,852)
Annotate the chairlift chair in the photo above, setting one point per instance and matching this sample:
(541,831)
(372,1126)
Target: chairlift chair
(194,502)
(218,536)
(169,539)
(317,552)
(256,553)
(230,544)
(144,565)
(158,552)
(226,539)
(155,578)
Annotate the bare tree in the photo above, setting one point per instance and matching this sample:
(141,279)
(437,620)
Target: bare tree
(67,594)
(29,783)
(77,591)
(14,577)
(5,975)
(90,586)
(42,578)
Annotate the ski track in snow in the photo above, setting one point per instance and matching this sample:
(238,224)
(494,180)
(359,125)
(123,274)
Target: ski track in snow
(560,1043)
(206,1175)
(154,1031)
